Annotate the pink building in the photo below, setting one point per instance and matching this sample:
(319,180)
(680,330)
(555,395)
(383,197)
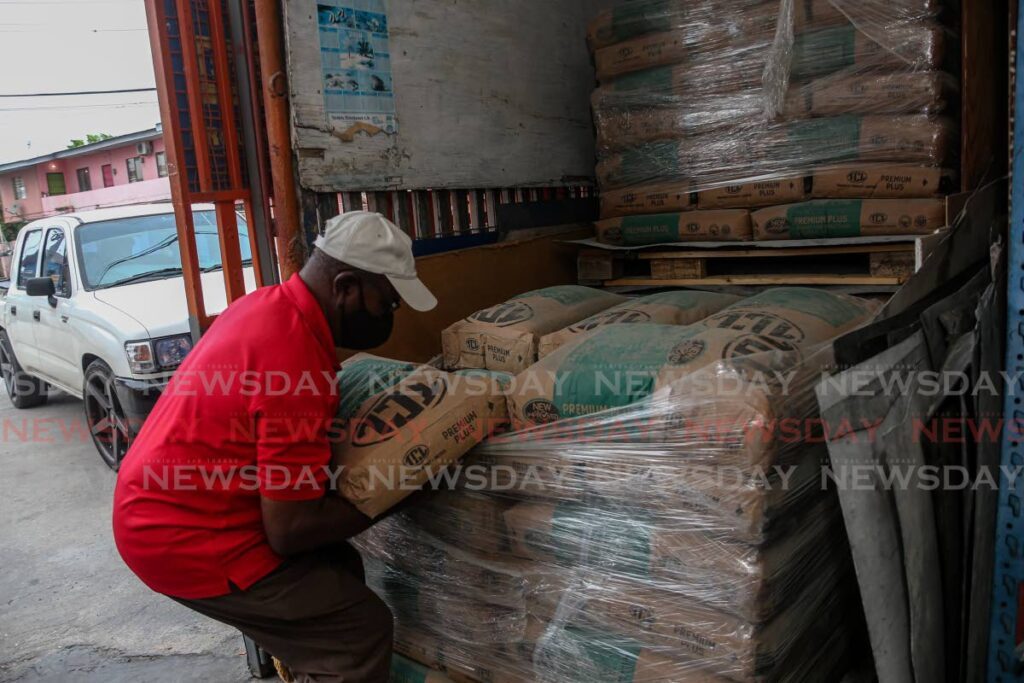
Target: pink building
(127,169)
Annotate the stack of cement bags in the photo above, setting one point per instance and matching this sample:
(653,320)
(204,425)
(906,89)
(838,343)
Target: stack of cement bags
(657,515)
(724,120)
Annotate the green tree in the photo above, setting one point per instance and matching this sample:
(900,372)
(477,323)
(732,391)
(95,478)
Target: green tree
(90,139)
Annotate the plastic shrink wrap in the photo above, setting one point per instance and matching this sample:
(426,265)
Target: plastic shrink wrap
(732,104)
(683,535)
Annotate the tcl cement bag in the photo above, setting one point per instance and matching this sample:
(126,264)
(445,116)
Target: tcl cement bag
(879,181)
(726,225)
(648,199)
(832,218)
(757,193)
(667,308)
(505,337)
(621,364)
(420,422)
(777,149)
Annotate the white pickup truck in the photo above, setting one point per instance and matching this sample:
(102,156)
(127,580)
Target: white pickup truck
(96,307)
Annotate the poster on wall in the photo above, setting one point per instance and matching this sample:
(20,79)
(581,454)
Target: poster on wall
(355,65)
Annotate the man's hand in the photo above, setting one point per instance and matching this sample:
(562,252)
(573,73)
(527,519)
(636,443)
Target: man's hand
(297,526)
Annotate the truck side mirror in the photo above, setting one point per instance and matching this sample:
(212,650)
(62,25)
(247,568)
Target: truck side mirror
(40,286)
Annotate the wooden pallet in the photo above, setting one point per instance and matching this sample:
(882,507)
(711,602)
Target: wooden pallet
(862,264)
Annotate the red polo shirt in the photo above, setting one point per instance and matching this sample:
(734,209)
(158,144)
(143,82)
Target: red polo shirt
(246,415)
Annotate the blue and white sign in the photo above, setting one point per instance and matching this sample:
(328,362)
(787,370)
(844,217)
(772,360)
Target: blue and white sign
(355,61)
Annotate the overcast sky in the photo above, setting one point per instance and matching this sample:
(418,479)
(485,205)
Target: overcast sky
(63,45)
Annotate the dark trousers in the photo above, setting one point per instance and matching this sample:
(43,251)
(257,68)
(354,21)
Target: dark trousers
(316,615)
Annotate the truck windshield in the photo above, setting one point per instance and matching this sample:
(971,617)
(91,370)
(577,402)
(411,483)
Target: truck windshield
(140,248)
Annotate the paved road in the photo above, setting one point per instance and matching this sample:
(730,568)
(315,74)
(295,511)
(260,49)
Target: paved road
(69,608)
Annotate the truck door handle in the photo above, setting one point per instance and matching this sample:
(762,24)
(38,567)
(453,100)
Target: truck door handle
(63,318)
(14,310)
(35,315)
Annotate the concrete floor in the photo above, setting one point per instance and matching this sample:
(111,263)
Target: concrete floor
(69,608)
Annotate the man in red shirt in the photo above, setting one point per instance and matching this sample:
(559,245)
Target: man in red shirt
(223,500)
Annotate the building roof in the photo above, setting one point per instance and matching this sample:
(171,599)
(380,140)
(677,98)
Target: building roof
(116,141)
(130,211)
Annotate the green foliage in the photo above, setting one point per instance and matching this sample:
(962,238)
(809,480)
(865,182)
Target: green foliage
(10,230)
(90,139)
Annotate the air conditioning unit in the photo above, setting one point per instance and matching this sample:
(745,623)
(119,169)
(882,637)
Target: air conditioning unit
(143,149)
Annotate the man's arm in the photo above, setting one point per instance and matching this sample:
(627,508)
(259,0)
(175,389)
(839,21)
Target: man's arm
(295,526)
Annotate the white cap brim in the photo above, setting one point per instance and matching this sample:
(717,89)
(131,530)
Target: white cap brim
(413,292)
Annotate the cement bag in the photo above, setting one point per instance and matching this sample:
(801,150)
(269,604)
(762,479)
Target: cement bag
(466,519)
(880,181)
(754,193)
(707,639)
(838,218)
(726,225)
(640,487)
(619,365)
(463,662)
(363,376)
(504,337)
(395,440)
(502,579)
(586,654)
(668,308)
(893,93)
(647,199)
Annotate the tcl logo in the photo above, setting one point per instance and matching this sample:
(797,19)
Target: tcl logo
(398,408)
(416,456)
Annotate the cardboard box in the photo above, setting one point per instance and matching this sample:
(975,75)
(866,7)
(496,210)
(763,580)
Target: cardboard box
(505,337)
(879,181)
(731,225)
(909,92)
(396,439)
(752,194)
(831,218)
(666,198)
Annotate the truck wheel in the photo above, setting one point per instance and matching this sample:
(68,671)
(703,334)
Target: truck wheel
(104,414)
(24,390)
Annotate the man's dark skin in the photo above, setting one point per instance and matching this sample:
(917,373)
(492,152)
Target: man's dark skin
(342,291)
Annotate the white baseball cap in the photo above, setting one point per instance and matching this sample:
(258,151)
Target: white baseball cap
(369,241)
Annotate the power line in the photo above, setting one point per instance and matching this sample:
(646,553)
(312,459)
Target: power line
(58,107)
(51,29)
(64,2)
(80,92)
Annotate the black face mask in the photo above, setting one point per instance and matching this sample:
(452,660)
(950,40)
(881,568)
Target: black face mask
(361,330)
